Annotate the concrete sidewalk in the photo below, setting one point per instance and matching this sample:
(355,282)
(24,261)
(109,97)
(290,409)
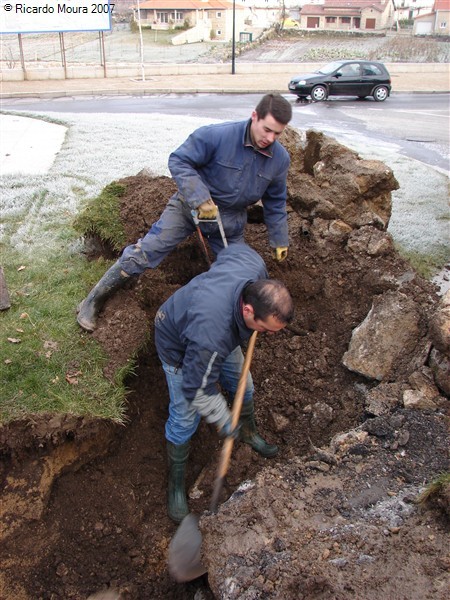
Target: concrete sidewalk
(238,83)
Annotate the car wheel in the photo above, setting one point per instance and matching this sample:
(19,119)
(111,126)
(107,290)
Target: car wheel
(319,93)
(380,93)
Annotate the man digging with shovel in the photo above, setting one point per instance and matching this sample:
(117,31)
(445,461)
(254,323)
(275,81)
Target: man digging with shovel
(226,167)
(198,332)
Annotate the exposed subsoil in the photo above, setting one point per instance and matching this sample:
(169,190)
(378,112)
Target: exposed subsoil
(314,523)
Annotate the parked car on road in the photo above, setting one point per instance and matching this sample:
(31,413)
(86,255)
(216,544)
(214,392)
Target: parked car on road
(359,78)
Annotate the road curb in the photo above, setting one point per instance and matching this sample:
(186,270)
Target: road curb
(161,91)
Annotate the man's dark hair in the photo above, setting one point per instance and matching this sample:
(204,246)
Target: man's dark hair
(269,297)
(277,106)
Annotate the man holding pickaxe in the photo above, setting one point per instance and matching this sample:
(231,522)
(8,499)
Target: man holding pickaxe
(224,167)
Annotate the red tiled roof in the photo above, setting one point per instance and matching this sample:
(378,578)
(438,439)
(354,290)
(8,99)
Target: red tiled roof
(441,5)
(344,7)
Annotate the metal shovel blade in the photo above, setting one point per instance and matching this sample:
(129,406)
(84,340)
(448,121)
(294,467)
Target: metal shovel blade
(185,551)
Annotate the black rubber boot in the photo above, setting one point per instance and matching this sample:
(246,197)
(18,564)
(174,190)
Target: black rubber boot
(177,506)
(249,434)
(88,309)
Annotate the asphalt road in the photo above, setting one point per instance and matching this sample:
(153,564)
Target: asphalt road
(415,125)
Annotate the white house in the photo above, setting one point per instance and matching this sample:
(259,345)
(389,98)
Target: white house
(408,9)
(436,22)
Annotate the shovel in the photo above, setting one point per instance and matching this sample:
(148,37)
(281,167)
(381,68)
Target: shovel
(185,548)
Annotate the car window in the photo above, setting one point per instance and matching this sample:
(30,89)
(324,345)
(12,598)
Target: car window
(371,70)
(329,68)
(351,70)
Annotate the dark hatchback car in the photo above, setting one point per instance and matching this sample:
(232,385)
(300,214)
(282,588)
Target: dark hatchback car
(359,78)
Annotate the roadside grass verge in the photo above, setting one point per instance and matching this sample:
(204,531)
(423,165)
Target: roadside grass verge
(427,265)
(46,363)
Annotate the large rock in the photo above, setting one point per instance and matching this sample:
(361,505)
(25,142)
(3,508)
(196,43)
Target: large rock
(423,393)
(370,241)
(388,335)
(383,398)
(336,184)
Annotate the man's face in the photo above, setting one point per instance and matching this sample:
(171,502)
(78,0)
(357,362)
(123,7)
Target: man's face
(270,325)
(265,131)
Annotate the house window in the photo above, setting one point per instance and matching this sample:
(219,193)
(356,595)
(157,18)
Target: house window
(346,20)
(162,17)
(330,19)
(219,32)
(443,24)
(218,15)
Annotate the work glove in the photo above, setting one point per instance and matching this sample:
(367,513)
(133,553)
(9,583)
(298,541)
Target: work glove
(207,210)
(280,254)
(227,431)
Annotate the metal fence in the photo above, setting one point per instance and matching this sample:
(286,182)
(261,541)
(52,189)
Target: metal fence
(120,45)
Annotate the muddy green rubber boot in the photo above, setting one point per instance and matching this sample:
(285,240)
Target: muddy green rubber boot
(249,434)
(177,502)
(88,309)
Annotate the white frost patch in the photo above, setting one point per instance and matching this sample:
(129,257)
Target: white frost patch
(420,209)
(27,145)
(98,149)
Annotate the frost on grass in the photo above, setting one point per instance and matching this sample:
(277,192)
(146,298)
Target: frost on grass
(98,149)
(420,213)
(101,148)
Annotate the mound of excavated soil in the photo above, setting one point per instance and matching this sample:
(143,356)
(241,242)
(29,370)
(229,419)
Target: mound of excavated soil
(333,515)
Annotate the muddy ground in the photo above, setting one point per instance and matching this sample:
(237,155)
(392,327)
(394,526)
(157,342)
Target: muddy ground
(330,517)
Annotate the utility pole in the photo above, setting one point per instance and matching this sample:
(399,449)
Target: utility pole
(141,41)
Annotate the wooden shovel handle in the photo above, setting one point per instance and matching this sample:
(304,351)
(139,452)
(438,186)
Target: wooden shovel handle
(236,413)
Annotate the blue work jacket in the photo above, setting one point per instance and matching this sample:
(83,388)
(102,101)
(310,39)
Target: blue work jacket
(214,162)
(202,322)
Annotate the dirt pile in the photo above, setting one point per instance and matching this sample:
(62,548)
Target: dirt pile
(333,515)
(337,524)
